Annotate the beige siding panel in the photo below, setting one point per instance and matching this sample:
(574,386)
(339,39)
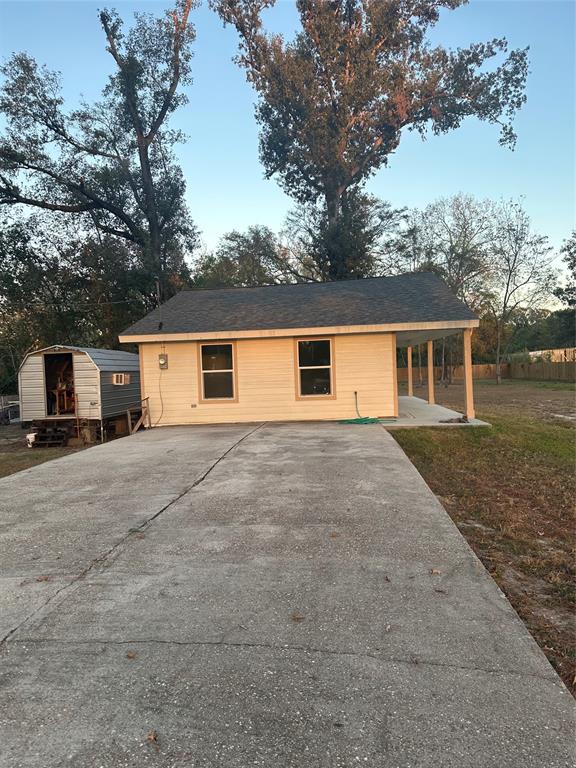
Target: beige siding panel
(267,382)
(87,386)
(31,387)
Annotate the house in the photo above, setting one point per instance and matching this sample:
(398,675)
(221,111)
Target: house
(292,352)
(64,384)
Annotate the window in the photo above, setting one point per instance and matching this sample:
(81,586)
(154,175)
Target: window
(119,379)
(217,367)
(314,359)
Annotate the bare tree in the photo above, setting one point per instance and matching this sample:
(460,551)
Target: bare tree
(522,274)
(455,236)
(452,237)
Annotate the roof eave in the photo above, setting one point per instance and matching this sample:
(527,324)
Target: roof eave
(334,330)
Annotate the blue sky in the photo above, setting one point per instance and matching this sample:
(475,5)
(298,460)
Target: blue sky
(226,188)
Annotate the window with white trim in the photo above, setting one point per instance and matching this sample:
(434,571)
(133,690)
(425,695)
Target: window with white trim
(314,367)
(217,361)
(119,379)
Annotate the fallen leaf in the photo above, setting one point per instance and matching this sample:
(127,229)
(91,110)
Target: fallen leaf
(43,578)
(152,736)
(131,655)
(297,617)
(334,535)
(435,571)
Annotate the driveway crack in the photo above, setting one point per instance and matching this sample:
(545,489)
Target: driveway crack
(222,643)
(103,558)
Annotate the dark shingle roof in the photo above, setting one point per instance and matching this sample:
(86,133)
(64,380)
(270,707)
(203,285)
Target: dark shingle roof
(410,298)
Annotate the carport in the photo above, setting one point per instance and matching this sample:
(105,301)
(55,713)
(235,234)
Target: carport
(409,340)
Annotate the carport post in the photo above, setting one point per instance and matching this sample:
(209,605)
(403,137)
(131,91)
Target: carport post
(431,399)
(410,388)
(468,383)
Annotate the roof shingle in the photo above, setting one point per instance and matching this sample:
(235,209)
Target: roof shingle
(410,298)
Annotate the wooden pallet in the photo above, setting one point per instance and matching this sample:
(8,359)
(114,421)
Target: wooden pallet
(51,437)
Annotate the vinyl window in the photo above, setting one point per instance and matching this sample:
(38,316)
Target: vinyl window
(217,369)
(314,359)
(119,379)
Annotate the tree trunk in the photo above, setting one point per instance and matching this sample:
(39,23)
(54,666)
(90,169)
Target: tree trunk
(154,237)
(498,352)
(336,266)
(420,382)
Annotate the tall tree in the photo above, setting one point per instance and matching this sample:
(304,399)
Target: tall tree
(567,292)
(58,287)
(523,277)
(362,245)
(113,160)
(243,259)
(333,103)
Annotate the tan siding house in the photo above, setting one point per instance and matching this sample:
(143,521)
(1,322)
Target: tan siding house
(309,351)
(267,383)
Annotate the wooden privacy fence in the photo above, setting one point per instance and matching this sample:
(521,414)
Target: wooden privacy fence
(540,371)
(543,371)
(479,371)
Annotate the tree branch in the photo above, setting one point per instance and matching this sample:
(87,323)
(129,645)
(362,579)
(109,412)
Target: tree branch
(179,32)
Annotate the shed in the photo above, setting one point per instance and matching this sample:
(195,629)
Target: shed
(68,382)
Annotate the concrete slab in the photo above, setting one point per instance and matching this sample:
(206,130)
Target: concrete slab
(289,595)
(90,705)
(416,412)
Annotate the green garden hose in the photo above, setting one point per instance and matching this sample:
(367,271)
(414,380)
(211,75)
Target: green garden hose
(365,419)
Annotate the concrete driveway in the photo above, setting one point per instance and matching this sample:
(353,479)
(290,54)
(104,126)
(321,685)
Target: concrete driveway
(274,595)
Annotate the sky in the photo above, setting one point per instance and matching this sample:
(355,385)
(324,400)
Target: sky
(226,186)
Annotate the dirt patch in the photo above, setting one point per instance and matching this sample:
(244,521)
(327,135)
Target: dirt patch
(11,435)
(16,456)
(511,491)
(545,400)
(548,400)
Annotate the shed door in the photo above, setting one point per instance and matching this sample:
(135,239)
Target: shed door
(31,388)
(59,384)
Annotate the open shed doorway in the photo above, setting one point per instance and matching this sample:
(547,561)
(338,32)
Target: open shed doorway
(59,382)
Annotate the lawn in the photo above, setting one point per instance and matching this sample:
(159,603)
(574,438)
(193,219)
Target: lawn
(15,455)
(511,490)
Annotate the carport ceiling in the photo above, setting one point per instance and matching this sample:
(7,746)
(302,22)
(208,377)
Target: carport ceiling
(413,338)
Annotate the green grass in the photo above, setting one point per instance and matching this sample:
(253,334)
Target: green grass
(516,437)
